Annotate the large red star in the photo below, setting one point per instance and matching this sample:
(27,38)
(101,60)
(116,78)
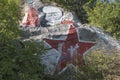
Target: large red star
(71,49)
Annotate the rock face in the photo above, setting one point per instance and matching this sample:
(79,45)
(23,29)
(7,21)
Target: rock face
(58,33)
(53,14)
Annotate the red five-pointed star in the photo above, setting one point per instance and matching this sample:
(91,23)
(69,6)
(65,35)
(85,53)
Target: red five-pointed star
(71,49)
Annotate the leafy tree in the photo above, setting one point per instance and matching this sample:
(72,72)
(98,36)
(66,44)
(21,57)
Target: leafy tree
(21,63)
(101,65)
(9,16)
(18,60)
(105,15)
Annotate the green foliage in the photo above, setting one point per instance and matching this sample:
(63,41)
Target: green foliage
(102,65)
(99,66)
(21,60)
(106,15)
(9,19)
(21,63)
(18,60)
